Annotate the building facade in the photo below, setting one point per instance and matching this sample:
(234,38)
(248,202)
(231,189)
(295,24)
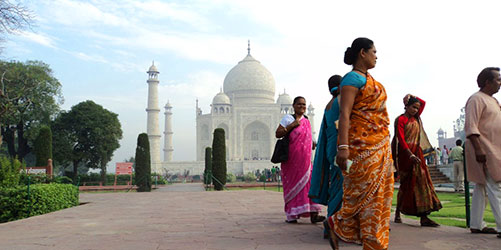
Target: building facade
(249,113)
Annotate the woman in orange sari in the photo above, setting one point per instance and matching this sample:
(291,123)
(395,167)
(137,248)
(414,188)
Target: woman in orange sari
(364,155)
(416,195)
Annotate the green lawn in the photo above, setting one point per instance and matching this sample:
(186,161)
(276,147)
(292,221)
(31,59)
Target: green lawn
(453,211)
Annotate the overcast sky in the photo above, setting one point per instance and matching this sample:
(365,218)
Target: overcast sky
(100,50)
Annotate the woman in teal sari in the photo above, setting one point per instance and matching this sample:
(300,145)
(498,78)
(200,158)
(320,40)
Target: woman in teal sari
(327,180)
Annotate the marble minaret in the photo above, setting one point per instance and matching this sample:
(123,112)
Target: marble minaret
(168,133)
(152,126)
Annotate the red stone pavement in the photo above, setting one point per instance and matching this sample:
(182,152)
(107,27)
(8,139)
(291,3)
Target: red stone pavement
(183,216)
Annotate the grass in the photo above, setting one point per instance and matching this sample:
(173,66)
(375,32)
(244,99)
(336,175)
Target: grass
(256,188)
(453,212)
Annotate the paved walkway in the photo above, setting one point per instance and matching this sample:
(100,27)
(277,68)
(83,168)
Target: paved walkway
(201,220)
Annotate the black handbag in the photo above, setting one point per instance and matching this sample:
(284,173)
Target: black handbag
(281,152)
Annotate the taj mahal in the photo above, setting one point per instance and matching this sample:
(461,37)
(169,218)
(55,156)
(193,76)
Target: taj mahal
(246,108)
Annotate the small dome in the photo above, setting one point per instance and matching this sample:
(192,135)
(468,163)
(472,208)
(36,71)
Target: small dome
(168,105)
(440,131)
(221,98)
(310,107)
(284,99)
(153,68)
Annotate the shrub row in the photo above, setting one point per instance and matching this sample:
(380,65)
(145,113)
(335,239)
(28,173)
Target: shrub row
(43,198)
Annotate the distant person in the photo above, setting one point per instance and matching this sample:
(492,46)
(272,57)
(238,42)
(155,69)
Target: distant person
(363,154)
(445,155)
(439,155)
(416,195)
(483,150)
(296,171)
(456,155)
(327,179)
(273,174)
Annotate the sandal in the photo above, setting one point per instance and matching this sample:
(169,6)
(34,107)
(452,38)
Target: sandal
(333,241)
(398,220)
(499,235)
(429,223)
(485,230)
(316,218)
(291,221)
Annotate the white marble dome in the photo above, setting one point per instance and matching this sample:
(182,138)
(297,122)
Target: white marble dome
(250,82)
(221,98)
(284,99)
(153,68)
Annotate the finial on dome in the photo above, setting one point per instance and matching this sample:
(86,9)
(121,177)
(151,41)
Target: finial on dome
(220,89)
(284,90)
(248,47)
(153,62)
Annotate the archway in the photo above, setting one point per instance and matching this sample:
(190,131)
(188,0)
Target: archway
(256,142)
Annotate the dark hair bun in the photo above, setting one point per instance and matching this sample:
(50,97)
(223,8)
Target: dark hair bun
(349,58)
(351,54)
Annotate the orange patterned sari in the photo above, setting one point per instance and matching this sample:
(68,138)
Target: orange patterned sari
(368,187)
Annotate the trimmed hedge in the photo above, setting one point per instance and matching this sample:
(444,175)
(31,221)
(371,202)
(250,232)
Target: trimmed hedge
(219,159)
(143,164)
(44,198)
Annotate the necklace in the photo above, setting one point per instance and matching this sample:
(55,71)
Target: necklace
(363,72)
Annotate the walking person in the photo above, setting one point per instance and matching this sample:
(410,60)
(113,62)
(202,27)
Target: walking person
(327,179)
(456,155)
(363,155)
(296,171)
(483,150)
(445,155)
(416,195)
(437,156)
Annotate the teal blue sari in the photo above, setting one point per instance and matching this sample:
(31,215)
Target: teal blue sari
(326,179)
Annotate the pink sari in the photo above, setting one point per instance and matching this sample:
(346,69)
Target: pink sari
(296,174)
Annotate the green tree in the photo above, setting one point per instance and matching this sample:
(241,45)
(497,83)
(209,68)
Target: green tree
(208,166)
(87,134)
(143,164)
(43,146)
(219,159)
(29,97)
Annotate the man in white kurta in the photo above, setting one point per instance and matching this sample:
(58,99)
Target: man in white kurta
(483,150)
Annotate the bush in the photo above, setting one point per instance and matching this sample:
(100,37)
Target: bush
(219,159)
(10,172)
(44,198)
(231,177)
(43,146)
(93,179)
(143,164)
(160,181)
(262,178)
(208,166)
(249,177)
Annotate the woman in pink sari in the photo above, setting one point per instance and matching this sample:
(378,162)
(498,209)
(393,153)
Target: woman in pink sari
(296,171)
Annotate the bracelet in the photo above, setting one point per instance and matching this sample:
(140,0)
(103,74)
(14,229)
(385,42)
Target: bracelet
(343,146)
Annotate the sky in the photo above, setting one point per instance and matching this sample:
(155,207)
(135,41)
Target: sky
(100,50)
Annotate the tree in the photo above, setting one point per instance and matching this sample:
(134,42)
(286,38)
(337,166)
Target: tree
(143,164)
(219,159)
(29,97)
(87,134)
(208,166)
(13,17)
(43,146)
